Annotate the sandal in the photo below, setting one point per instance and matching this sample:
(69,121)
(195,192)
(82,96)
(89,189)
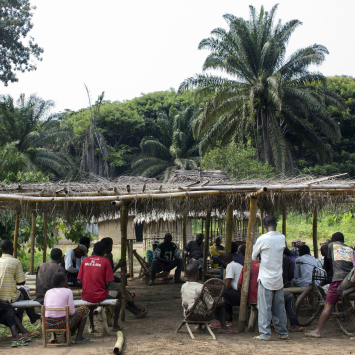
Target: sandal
(260,338)
(300,329)
(310,335)
(143,309)
(140,315)
(284,337)
(117,329)
(228,331)
(215,325)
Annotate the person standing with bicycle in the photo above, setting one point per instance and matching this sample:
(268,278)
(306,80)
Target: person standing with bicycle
(342,257)
(269,247)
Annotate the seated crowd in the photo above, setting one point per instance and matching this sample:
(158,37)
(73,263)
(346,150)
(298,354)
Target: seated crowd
(93,274)
(273,268)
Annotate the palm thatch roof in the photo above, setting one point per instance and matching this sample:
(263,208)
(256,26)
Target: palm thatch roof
(194,195)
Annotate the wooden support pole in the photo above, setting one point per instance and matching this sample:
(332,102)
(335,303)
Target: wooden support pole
(184,238)
(130,257)
(229,229)
(284,215)
(315,236)
(243,310)
(262,221)
(45,226)
(207,244)
(124,222)
(17,224)
(33,241)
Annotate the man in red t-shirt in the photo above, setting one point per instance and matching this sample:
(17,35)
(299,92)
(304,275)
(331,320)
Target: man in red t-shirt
(96,275)
(253,296)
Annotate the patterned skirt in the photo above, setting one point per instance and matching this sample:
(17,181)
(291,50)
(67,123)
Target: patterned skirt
(59,323)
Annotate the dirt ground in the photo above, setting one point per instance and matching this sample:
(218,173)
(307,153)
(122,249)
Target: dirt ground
(155,334)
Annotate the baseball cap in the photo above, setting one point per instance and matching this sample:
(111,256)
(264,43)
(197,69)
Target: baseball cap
(83,248)
(155,242)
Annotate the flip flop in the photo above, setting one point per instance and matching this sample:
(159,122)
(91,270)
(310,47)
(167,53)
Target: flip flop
(215,325)
(143,309)
(140,315)
(133,294)
(300,329)
(86,340)
(284,337)
(228,331)
(117,329)
(310,335)
(262,339)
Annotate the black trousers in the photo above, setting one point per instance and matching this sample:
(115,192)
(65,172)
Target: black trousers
(231,298)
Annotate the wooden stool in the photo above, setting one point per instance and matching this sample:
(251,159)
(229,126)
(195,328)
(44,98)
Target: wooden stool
(45,331)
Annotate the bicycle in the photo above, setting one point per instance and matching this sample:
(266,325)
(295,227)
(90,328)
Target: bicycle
(311,303)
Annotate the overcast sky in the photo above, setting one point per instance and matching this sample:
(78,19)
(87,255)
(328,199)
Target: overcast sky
(126,48)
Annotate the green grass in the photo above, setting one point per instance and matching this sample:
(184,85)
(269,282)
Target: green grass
(301,226)
(5,331)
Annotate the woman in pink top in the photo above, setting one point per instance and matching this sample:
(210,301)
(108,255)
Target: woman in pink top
(61,296)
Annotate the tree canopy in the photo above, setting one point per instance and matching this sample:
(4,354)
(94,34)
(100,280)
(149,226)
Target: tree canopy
(15,55)
(275,96)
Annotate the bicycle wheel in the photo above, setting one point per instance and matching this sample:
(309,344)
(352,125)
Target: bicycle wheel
(309,306)
(345,316)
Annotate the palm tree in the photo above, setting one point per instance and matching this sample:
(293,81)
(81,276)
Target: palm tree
(275,97)
(173,150)
(33,135)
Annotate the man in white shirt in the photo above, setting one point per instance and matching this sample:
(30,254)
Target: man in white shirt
(69,264)
(271,302)
(231,294)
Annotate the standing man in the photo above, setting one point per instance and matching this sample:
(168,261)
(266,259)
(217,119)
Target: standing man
(269,247)
(45,272)
(167,254)
(342,257)
(195,250)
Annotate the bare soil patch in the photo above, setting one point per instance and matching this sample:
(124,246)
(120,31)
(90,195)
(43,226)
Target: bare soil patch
(155,334)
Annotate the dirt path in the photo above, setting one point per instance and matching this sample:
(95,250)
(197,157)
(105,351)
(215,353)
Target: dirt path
(155,334)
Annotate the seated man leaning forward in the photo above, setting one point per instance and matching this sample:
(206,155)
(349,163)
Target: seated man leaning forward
(69,264)
(216,250)
(231,295)
(60,296)
(45,272)
(168,255)
(11,275)
(190,292)
(96,275)
(304,266)
(195,250)
(342,257)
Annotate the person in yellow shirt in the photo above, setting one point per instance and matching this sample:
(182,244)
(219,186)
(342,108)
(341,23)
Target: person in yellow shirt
(216,250)
(11,275)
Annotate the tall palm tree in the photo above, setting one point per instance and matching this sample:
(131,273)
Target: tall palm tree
(173,150)
(28,126)
(263,89)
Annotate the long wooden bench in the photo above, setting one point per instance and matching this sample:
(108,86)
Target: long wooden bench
(77,303)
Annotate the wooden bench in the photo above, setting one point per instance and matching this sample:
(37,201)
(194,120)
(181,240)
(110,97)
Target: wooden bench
(77,303)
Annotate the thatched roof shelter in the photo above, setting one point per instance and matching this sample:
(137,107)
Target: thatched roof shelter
(92,199)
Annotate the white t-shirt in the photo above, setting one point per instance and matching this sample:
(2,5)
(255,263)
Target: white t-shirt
(233,271)
(270,246)
(189,293)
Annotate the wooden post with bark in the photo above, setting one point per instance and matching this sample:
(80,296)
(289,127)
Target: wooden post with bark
(17,225)
(124,223)
(184,239)
(207,244)
(130,257)
(45,236)
(243,309)
(33,241)
(284,215)
(229,229)
(315,234)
